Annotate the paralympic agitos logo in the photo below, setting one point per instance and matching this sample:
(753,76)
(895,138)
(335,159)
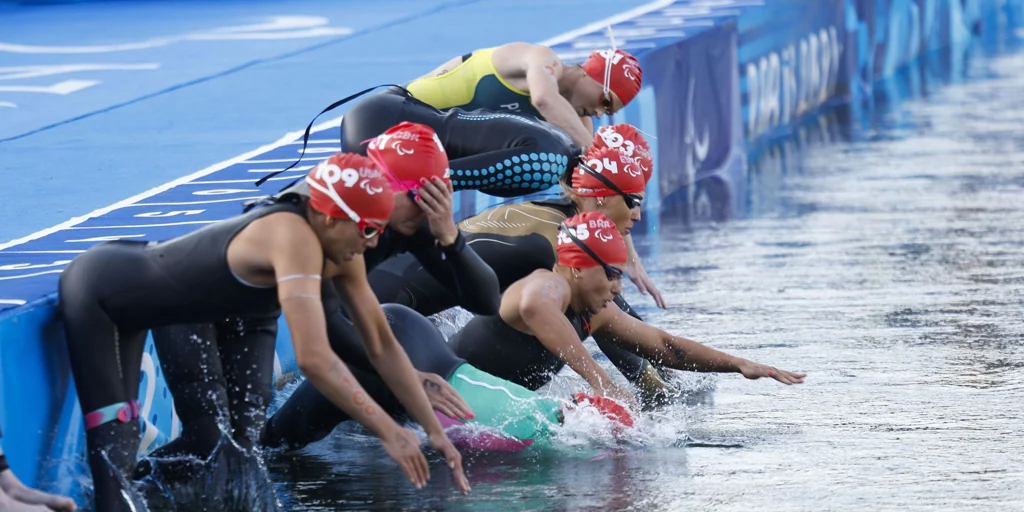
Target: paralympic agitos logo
(330,174)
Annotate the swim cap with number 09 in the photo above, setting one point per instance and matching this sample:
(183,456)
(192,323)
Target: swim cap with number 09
(350,186)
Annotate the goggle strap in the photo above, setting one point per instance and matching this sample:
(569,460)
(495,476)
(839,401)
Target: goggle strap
(608,64)
(333,194)
(583,246)
(603,179)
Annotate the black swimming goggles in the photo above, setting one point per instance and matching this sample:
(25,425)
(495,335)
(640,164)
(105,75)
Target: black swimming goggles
(610,272)
(632,200)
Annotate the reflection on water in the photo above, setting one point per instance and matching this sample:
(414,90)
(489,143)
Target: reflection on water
(883,258)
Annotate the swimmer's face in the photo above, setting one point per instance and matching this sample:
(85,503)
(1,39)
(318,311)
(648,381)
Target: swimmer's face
(343,240)
(588,99)
(596,289)
(614,207)
(407,216)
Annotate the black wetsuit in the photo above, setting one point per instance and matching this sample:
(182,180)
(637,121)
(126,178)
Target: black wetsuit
(113,293)
(514,240)
(497,153)
(465,276)
(493,346)
(308,416)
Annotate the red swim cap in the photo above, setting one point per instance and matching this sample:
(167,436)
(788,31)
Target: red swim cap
(621,74)
(611,164)
(598,234)
(408,152)
(608,407)
(350,186)
(629,140)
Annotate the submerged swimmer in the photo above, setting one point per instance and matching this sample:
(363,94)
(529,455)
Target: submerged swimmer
(506,416)
(272,257)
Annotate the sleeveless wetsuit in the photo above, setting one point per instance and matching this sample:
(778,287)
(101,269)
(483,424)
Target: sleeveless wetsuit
(201,395)
(515,240)
(498,405)
(474,84)
(493,346)
(497,153)
(112,294)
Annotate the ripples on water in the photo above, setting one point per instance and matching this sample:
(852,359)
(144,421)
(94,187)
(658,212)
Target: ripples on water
(887,265)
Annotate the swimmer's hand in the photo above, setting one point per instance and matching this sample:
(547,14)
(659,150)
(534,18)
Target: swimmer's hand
(619,394)
(636,272)
(435,199)
(443,397)
(22,497)
(440,442)
(752,370)
(403,447)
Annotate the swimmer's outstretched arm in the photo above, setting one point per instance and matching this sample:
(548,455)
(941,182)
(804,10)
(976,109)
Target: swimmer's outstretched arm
(678,352)
(290,255)
(390,360)
(540,303)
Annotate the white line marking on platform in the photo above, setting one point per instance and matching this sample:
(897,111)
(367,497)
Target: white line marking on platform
(289,137)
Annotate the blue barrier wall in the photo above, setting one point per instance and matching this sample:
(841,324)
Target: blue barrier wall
(723,81)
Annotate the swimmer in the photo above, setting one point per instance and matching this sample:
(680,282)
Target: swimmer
(272,257)
(513,118)
(517,239)
(421,224)
(530,79)
(513,417)
(545,317)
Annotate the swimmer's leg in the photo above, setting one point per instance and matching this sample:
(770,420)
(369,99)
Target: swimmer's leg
(308,416)
(375,114)
(105,362)
(192,368)
(247,353)
(510,155)
(424,344)
(503,155)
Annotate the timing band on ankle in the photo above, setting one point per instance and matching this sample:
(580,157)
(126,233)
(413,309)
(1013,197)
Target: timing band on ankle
(121,411)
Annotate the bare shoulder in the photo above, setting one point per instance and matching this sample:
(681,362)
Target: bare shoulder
(548,286)
(513,57)
(518,48)
(286,228)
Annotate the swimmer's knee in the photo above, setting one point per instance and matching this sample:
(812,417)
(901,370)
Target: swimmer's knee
(401,312)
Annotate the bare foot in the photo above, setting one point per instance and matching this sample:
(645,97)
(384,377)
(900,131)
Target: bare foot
(8,504)
(12,488)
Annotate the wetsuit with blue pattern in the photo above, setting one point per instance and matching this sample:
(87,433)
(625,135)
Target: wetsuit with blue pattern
(497,153)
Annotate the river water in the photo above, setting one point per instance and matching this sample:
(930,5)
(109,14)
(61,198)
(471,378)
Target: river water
(885,262)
